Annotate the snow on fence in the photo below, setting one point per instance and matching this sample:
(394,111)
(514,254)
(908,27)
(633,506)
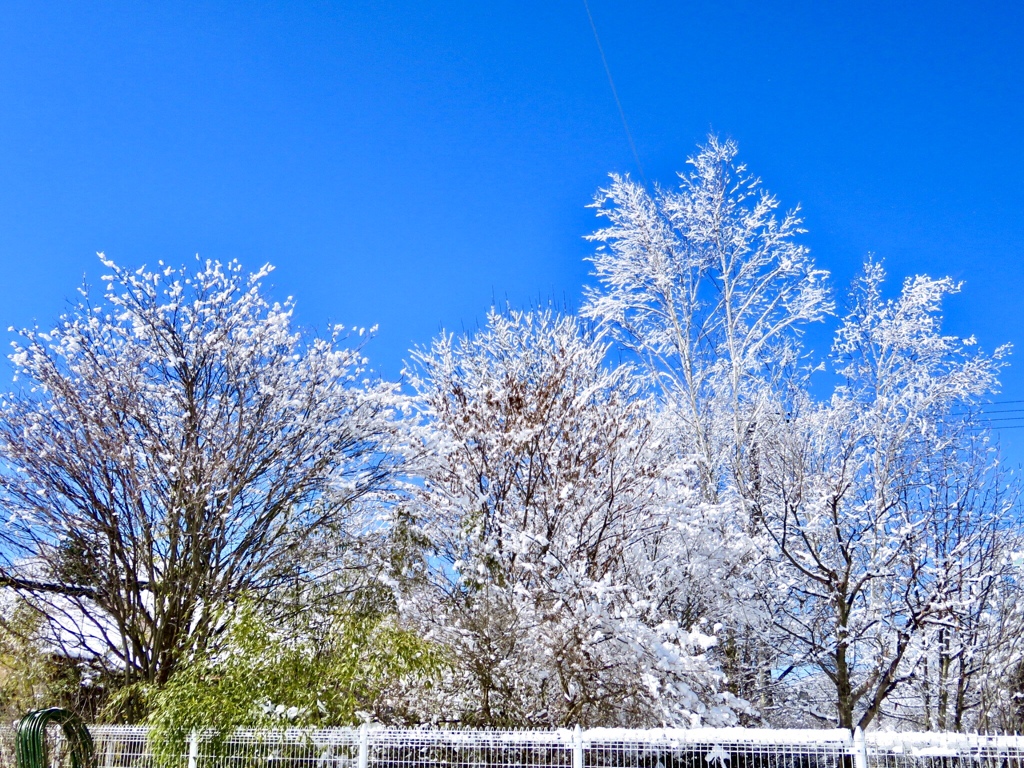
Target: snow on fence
(371,747)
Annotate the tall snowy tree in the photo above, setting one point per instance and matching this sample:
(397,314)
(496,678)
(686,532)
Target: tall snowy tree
(543,502)
(879,541)
(710,288)
(966,657)
(171,449)
(866,513)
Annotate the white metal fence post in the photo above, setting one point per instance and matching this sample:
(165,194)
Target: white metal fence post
(364,746)
(577,748)
(860,749)
(193,750)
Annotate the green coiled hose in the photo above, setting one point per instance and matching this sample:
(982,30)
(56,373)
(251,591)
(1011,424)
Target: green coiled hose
(30,742)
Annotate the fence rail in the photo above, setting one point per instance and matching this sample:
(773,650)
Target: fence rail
(373,747)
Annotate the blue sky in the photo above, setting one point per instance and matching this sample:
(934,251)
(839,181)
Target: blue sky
(406,164)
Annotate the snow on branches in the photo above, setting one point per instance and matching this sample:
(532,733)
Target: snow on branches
(544,502)
(710,289)
(645,516)
(175,444)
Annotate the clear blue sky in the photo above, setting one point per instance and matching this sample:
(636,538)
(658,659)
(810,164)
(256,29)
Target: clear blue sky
(407,163)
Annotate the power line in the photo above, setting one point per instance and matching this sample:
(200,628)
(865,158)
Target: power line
(986,408)
(984,403)
(615,93)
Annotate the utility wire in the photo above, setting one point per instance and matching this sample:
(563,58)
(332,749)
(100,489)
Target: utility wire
(615,93)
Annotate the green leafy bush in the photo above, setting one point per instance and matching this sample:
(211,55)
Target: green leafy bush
(323,670)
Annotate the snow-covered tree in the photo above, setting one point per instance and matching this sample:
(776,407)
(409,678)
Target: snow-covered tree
(879,542)
(710,289)
(866,513)
(172,448)
(557,570)
(969,651)
(689,535)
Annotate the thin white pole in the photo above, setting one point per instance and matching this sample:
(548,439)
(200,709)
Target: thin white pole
(364,746)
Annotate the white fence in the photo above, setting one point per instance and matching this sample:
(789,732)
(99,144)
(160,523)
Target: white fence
(371,747)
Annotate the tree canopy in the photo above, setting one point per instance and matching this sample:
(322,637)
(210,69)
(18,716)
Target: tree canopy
(662,511)
(170,449)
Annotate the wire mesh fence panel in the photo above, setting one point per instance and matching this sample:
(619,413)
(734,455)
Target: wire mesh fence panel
(943,750)
(716,748)
(292,748)
(403,748)
(7,746)
(57,753)
(121,746)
